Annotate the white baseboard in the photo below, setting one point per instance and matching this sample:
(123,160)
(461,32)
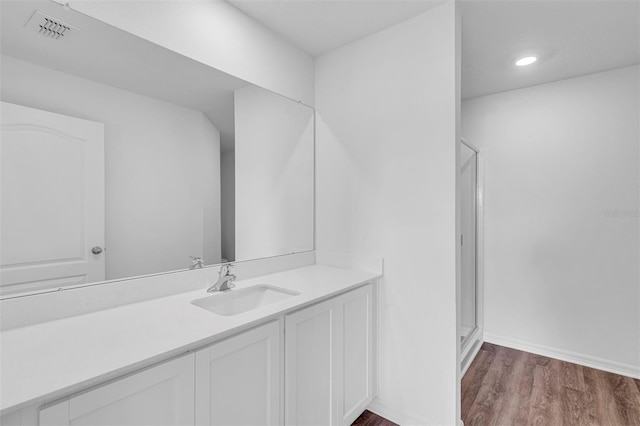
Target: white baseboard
(380,408)
(470,356)
(568,356)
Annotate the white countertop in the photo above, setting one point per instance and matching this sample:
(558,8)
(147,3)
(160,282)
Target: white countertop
(46,361)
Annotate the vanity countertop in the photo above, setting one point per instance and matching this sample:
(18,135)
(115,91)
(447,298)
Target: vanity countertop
(46,361)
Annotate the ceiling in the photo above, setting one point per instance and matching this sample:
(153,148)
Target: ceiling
(571,37)
(318,26)
(102,53)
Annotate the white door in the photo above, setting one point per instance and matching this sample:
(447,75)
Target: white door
(51,200)
(238,381)
(161,395)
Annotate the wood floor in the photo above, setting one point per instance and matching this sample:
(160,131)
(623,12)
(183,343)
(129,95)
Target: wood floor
(507,387)
(369,419)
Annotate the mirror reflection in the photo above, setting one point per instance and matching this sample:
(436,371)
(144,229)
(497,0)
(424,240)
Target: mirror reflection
(121,158)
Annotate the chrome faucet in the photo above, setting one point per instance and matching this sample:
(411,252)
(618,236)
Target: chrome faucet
(196,262)
(225,279)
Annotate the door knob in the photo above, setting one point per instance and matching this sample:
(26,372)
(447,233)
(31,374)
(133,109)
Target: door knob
(96,250)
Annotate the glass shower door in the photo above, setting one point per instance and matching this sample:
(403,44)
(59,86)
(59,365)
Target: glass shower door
(468,239)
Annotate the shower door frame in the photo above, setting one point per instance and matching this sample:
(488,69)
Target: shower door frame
(471,343)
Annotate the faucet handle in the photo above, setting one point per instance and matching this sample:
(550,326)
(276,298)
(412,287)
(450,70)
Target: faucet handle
(196,262)
(225,269)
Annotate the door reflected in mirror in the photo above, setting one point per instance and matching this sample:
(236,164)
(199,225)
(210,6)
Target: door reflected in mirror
(182,160)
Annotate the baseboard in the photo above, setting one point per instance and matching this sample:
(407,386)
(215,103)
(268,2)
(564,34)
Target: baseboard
(380,408)
(471,355)
(568,356)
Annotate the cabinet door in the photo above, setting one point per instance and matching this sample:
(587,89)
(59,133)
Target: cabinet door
(161,395)
(238,381)
(310,365)
(356,362)
(329,360)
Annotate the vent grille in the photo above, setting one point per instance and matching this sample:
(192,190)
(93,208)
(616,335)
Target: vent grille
(49,27)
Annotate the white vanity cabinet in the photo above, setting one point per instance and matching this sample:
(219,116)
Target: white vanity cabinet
(314,366)
(233,382)
(329,350)
(238,380)
(160,395)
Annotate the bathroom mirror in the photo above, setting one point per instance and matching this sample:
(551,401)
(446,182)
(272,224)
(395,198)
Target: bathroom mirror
(121,158)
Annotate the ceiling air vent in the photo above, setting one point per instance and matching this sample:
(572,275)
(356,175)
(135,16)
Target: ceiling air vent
(48,26)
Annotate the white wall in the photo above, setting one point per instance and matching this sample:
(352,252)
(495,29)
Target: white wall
(559,272)
(228,203)
(214,33)
(274,175)
(386,185)
(161,164)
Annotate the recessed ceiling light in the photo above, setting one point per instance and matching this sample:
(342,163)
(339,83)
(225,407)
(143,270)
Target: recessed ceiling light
(528,60)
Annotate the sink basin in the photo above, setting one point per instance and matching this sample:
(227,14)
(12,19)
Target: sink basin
(233,302)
